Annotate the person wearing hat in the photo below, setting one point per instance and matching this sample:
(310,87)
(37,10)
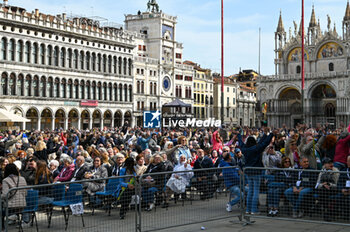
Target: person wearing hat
(238,159)
(327,186)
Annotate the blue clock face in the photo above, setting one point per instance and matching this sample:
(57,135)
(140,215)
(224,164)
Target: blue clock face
(166,83)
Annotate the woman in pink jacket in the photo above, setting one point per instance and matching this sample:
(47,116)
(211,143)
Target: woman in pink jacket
(67,172)
(216,140)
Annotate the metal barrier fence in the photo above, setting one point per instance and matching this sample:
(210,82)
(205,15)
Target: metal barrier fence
(197,196)
(185,197)
(71,206)
(305,195)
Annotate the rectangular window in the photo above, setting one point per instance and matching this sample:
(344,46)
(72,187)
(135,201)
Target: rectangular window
(234,113)
(140,47)
(142,71)
(144,48)
(178,55)
(228,102)
(234,101)
(138,71)
(188,78)
(179,77)
(142,105)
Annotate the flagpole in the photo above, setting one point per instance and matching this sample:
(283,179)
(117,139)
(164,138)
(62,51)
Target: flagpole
(222,61)
(302,62)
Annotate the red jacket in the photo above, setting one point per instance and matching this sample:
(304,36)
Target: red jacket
(64,139)
(342,150)
(66,174)
(217,145)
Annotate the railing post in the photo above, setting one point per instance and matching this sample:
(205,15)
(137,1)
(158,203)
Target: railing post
(138,202)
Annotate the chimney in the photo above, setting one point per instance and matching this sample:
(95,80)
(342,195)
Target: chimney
(6,2)
(37,13)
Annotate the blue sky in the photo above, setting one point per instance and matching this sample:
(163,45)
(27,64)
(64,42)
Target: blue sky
(199,24)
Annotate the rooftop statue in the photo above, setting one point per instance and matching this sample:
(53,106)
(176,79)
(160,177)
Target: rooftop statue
(152,6)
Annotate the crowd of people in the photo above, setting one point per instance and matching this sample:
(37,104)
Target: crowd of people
(29,158)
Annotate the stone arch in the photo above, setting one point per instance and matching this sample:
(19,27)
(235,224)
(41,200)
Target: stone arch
(46,118)
(293,54)
(322,98)
(107,118)
(317,83)
(96,118)
(85,119)
(73,118)
(329,49)
(263,94)
(283,87)
(128,118)
(118,118)
(33,115)
(17,110)
(60,117)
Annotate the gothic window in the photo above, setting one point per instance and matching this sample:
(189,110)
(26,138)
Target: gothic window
(75,59)
(19,48)
(99,62)
(93,62)
(129,67)
(42,54)
(115,64)
(3,49)
(35,53)
(55,56)
(12,84)
(104,63)
(27,52)
(130,93)
(69,58)
(49,55)
(125,93)
(82,60)
(12,50)
(88,61)
(120,65)
(120,92)
(109,64)
(63,57)
(124,66)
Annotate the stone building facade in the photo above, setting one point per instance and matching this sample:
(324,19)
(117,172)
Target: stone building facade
(64,72)
(327,83)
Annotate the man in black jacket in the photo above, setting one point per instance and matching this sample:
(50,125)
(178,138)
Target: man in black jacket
(80,168)
(304,182)
(29,171)
(203,179)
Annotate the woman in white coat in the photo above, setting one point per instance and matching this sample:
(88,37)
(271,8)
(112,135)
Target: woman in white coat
(178,181)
